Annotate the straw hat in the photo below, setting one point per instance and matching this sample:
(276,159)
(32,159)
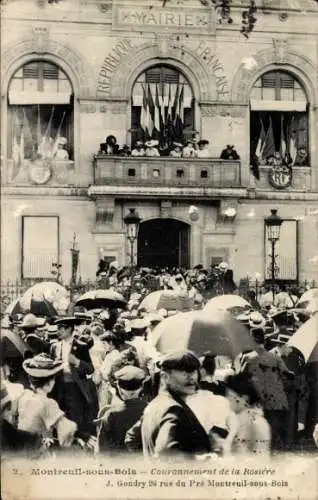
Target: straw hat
(42,366)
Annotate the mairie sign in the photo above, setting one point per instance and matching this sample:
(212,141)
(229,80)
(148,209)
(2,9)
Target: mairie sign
(144,18)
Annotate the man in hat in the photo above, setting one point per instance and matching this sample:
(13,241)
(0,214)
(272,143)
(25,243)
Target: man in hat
(229,153)
(189,150)
(138,149)
(203,151)
(151,148)
(73,389)
(168,426)
(226,278)
(177,150)
(61,154)
(117,419)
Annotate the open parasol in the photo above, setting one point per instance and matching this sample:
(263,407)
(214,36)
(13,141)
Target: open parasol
(200,332)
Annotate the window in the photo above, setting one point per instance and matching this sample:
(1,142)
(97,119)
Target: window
(40,246)
(286,250)
(279,120)
(40,113)
(162,107)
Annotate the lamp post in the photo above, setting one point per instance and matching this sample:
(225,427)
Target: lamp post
(132,221)
(273,224)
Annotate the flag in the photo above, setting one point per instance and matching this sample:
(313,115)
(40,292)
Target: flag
(175,107)
(269,145)
(292,147)
(181,105)
(58,135)
(170,101)
(150,108)
(38,127)
(157,111)
(161,97)
(44,147)
(143,113)
(261,141)
(283,146)
(179,117)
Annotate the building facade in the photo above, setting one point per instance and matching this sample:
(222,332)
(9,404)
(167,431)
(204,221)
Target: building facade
(77,71)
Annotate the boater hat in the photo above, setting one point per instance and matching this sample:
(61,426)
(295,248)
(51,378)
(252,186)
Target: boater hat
(42,366)
(203,142)
(69,321)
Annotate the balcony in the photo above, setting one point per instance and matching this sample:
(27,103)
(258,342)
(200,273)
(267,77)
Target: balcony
(166,172)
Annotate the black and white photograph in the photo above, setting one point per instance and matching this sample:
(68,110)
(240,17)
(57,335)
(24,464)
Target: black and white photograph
(159,249)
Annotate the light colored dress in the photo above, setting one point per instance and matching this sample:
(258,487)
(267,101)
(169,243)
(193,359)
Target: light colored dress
(253,435)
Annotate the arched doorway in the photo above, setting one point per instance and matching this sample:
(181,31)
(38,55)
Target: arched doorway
(164,243)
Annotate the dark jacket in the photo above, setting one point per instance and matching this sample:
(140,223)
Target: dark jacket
(77,396)
(117,421)
(15,440)
(169,427)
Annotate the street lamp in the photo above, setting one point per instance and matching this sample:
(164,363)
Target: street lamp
(132,221)
(273,224)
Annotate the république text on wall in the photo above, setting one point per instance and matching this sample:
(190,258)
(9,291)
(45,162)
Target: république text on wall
(213,64)
(111,63)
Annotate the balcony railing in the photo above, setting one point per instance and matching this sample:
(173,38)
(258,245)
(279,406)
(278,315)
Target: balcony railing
(164,171)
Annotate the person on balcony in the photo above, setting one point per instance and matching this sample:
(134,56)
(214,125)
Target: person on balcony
(151,148)
(229,153)
(176,152)
(61,154)
(138,149)
(110,146)
(301,158)
(189,150)
(204,151)
(124,151)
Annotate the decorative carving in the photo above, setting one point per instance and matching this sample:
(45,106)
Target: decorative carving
(67,57)
(87,107)
(117,107)
(165,209)
(297,63)
(280,49)
(280,177)
(41,36)
(105,208)
(219,110)
(228,209)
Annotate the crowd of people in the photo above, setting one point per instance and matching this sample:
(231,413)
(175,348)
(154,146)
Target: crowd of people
(192,148)
(95,381)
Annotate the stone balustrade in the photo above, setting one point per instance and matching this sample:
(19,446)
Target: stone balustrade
(166,171)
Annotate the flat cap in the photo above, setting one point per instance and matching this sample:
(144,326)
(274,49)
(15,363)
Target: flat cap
(182,360)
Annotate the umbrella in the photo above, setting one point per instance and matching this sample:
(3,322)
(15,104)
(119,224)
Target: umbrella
(48,291)
(166,299)
(221,334)
(308,295)
(228,302)
(101,299)
(309,305)
(306,339)
(14,308)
